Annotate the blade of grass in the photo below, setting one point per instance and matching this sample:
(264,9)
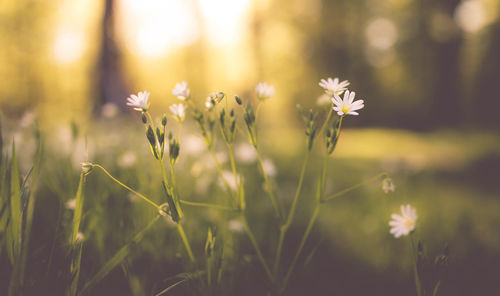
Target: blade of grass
(78,208)
(76,245)
(117,258)
(30,207)
(14,233)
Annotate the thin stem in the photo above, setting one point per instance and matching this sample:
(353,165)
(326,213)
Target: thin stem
(205,205)
(325,123)
(185,241)
(251,236)
(349,189)
(415,269)
(268,184)
(291,214)
(219,170)
(301,245)
(233,164)
(126,187)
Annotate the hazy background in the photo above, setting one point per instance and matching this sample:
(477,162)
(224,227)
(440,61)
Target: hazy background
(428,71)
(421,65)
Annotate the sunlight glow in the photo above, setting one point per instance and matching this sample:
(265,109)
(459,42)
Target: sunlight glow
(154,27)
(381,33)
(223,20)
(68,47)
(470,15)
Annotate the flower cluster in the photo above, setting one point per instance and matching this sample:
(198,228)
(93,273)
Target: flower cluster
(333,88)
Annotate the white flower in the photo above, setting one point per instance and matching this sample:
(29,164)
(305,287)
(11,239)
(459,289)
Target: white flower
(80,237)
(179,111)
(348,105)
(213,99)
(229,178)
(246,153)
(269,167)
(235,225)
(388,185)
(139,102)
(405,223)
(264,91)
(181,90)
(323,100)
(333,86)
(71,204)
(127,159)
(109,110)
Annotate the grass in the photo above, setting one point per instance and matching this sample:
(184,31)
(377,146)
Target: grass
(129,249)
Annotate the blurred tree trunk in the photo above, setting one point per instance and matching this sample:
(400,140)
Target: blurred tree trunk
(446,102)
(487,99)
(111,84)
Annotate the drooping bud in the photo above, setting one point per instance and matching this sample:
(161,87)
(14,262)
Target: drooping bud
(238,100)
(150,134)
(222,117)
(144,118)
(86,167)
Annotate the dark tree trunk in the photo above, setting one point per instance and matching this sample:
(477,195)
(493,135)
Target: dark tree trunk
(446,100)
(111,84)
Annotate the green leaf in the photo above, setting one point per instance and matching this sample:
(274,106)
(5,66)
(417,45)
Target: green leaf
(14,232)
(117,258)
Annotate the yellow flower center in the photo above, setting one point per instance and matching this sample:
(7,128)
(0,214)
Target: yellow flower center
(345,109)
(409,223)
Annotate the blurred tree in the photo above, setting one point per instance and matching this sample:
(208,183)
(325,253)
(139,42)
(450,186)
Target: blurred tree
(445,97)
(111,84)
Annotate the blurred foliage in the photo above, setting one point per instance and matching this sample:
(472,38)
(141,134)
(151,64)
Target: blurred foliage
(420,64)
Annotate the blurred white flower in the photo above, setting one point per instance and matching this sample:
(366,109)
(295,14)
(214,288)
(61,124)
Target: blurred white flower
(264,91)
(182,91)
(405,223)
(333,86)
(348,105)
(179,112)
(193,145)
(28,119)
(235,225)
(245,153)
(80,237)
(213,99)
(70,204)
(127,159)
(269,167)
(109,110)
(229,177)
(139,102)
(323,100)
(388,185)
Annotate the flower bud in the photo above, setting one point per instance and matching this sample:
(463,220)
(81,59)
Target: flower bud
(238,100)
(164,120)
(144,118)
(87,167)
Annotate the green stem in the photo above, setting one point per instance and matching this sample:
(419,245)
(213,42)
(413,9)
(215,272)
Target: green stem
(418,285)
(233,164)
(349,189)
(301,245)
(175,193)
(268,184)
(219,170)
(251,236)
(126,187)
(325,123)
(206,205)
(291,214)
(185,241)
